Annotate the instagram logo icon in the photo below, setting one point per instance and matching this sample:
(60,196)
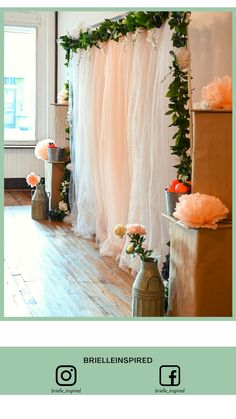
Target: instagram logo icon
(66,375)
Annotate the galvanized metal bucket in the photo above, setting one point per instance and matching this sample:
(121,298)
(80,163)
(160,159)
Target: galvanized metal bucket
(148,291)
(40,203)
(171,201)
(53,153)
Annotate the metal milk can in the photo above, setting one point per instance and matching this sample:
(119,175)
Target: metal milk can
(40,203)
(148,291)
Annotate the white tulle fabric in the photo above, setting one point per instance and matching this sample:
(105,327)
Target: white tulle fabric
(121,141)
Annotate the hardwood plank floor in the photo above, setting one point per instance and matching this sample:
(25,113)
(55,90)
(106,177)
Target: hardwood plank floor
(15,197)
(51,272)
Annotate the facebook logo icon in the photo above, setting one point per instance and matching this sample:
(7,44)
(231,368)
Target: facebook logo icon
(169,375)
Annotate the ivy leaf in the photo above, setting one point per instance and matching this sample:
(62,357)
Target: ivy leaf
(141,18)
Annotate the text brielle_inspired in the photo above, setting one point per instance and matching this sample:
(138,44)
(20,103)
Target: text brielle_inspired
(118,360)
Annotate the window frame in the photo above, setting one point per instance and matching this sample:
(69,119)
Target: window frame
(44,22)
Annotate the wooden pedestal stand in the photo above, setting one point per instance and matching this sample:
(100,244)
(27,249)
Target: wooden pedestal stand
(201,259)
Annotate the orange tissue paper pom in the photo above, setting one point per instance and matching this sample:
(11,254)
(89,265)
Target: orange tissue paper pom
(41,149)
(200,210)
(218,93)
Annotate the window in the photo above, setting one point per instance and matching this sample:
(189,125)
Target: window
(29,77)
(19,83)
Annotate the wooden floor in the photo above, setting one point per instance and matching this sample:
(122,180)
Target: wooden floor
(51,272)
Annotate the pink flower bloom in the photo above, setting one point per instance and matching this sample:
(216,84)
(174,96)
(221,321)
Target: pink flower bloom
(136,229)
(33,179)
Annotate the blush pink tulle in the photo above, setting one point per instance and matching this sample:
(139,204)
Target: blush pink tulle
(200,210)
(41,149)
(32,179)
(218,93)
(136,229)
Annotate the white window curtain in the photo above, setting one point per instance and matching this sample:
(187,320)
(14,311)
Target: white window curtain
(121,139)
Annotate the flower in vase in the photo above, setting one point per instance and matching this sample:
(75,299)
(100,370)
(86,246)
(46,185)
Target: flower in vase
(136,229)
(130,249)
(136,233)
(32,179)
(120,230)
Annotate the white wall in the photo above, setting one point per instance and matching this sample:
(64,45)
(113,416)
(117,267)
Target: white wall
(211,48)
(71,21)
(19,163)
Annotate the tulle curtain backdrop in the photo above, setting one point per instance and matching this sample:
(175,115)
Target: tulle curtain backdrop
(120,148)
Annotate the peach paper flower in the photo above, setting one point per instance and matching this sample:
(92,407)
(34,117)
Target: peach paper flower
(136,229)
(32,179)
(41,149)
(200,210)
(218,93)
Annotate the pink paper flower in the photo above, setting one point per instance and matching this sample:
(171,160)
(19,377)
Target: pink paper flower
(218,93)
(136,229)
(200,210)
(32,179)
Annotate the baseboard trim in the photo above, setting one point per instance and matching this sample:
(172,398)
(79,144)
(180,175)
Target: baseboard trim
(15,183)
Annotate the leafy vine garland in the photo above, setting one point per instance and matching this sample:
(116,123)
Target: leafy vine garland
(178,92)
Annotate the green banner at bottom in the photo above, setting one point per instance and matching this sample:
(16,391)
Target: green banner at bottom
(104,371)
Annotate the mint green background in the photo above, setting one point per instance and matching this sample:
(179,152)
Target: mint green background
(32,370)
(1,164)
(2,10)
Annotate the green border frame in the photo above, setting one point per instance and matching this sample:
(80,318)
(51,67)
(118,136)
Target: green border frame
(101,9)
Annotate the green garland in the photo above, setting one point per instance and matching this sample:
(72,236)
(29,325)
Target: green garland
(179,96)
(178,89)
(112,30)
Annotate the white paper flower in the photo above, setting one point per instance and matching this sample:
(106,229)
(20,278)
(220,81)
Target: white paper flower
(62,97)
(63,206)
(68,166)
(201,105)
(182,58)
